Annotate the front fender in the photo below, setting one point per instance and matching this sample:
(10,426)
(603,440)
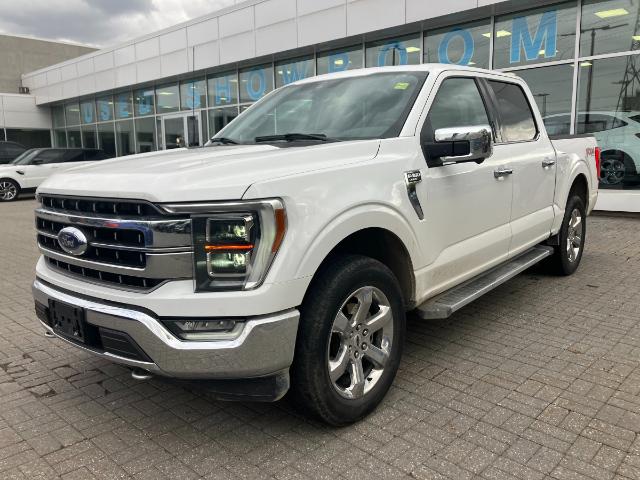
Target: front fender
(351,221)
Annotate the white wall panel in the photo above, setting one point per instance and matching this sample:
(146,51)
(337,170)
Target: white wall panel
(238,47)
(68,72)
(148,70)
(174,63)
(85,67)
(105,80)
(368,15)
(103,62)
(126,75)
(86,85)
(420,10)
(274,11)
(70,88)
(53,76)
(206,55)
(203,32)
(276,38)
(236,22)
(322,26)
(310,6)
(125,55)
(147,49)
(172,41)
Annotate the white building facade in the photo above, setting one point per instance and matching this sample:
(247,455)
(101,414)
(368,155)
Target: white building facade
(184,83)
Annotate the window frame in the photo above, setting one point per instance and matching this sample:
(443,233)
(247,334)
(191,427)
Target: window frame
(501,138)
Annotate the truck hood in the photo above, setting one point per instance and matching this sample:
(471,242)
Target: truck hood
(203,174)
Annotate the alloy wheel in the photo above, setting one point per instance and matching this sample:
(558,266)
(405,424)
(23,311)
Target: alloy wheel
(612,171)
(574,235)
(8,191)
(360,342)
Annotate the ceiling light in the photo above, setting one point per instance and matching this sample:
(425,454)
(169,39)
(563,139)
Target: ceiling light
(502,33)
(413,49)
(636,38)
(339,61)
(615,12)
(488,35)
(586,64)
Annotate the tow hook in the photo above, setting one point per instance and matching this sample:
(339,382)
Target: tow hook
(140,374)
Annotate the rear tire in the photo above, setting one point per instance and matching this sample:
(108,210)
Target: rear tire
(572,236)
(9,190)
(350,340)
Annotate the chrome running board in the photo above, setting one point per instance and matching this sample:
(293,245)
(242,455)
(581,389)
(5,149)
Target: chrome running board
(445,304)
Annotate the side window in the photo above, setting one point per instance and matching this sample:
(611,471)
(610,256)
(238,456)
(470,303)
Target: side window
(74,156)
(458,103)
(94,155)
(515,112)
(49,156)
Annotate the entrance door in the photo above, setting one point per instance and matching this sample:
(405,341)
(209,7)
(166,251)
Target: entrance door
(182,130)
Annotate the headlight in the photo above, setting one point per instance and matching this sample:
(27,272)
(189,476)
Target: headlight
(235,243)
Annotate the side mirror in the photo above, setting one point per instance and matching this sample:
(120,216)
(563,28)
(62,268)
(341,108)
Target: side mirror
(460,145)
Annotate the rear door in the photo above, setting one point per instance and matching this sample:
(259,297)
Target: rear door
(466,207)
(523,140)
(43,165)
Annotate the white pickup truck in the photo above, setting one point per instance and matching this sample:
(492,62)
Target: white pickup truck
(285,254)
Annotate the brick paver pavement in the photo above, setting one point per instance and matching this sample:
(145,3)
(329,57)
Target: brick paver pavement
(539,379)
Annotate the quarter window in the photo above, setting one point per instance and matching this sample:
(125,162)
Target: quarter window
(515,112)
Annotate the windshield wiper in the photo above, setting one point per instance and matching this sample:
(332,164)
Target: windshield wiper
(292,137)
(224,141)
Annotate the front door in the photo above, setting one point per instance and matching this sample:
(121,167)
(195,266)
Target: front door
(467,206)
(181,130)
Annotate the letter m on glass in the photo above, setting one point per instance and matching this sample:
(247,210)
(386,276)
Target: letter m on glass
(544,42)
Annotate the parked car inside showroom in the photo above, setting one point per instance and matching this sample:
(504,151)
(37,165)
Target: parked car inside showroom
(617,134)
(9,151)
(32,167)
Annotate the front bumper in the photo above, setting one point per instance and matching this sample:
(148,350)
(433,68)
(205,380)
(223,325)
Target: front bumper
(264,346)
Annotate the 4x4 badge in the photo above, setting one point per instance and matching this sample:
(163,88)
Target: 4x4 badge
(412,178)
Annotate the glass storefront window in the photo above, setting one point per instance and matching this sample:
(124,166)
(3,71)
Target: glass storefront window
(60,138)
(124,138)
(543,35)
(89,138)
(107,138)
(57,116)
(144,102)
(552,87)
(340,60)
(30,138)
(290,71)
(609,26)
(104,107)
(609,108)
(193,94)
(168,98)
(223,89)
(88,112)
(461,45)
(145,135)
(123,105)
(220,117)
(255,83)
(73,138)
(72,113)
(398,51)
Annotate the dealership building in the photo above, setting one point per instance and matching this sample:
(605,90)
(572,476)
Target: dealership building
(183,84)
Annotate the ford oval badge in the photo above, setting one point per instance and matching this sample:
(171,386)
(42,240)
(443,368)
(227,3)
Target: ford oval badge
(72,241)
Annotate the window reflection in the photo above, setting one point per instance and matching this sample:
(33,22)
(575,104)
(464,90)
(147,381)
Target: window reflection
(88,112)
(542,35)
(193,94)
(609,108)
(104,107)
(72,112)
(223,89)
(400,51)
(168,99)
(609,26)
(340,60)
(255,83)
(293,70)
(461,45)
(220,117)
(144,102)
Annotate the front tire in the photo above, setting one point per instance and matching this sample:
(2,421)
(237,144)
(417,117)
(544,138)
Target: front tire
(568,253)
(350,340)
(9,190)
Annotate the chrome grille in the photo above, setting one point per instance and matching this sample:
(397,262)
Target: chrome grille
(125,249)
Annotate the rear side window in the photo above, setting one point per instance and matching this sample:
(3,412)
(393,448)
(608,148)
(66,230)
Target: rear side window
(94,155)
(74,156)
(515,112)
(598,122)
(50,156)
(458,103)
(11,149)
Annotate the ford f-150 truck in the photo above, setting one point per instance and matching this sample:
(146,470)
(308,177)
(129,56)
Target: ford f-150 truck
(284,255)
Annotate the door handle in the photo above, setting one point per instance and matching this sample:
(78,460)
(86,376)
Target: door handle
(502,172)
(548,162)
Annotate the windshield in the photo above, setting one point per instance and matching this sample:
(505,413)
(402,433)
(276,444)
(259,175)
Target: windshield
(26,157)
(351,108)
